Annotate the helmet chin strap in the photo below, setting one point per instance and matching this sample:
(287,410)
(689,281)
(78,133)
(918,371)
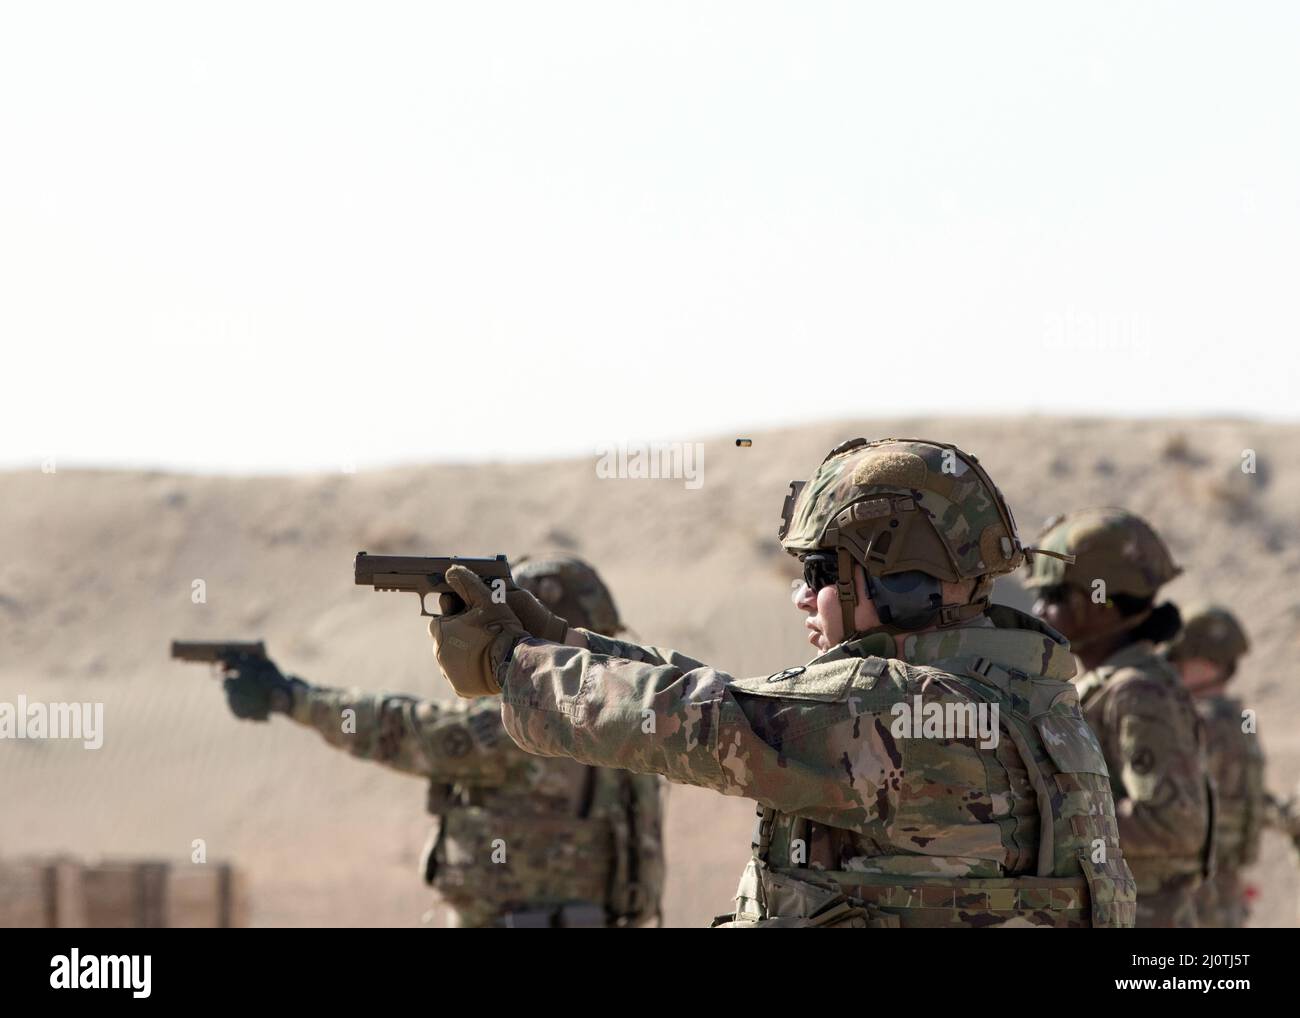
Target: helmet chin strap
(845,586)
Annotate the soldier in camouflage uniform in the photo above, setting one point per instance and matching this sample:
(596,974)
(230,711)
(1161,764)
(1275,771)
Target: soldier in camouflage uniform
(863,823)
(1205,654)
(1149,729)
(519,840)
(1284,815)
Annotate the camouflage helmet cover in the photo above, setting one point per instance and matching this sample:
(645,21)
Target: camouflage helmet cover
(1109,544)
(572,589)
(1212,633)
(905,504)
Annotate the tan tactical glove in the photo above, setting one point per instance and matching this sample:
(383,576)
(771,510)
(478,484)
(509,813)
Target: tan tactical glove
(535,617)
(471,645)
(539,620)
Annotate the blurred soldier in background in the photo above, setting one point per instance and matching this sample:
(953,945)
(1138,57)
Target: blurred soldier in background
(1205,654)
(519,840)
(1284,815)
(1149,729)
(866,819)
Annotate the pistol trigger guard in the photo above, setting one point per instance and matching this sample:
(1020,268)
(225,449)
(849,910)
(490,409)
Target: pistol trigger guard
(425,613)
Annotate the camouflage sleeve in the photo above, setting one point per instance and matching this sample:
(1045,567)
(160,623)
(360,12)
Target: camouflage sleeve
(458,742)
(609,647)
(1163,809)
(692,726)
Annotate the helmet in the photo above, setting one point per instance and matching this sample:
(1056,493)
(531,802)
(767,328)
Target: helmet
(912,513)
(1212,633)
(1113,545)
(572,589)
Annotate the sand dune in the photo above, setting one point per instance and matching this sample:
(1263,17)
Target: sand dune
(97,570)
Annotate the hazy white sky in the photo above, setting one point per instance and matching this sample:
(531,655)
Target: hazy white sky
(281,236)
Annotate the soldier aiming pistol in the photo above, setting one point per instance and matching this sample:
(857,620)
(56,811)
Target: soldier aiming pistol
(254,686)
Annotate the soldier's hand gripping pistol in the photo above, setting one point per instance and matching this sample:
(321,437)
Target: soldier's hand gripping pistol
(428,575)
(254,686)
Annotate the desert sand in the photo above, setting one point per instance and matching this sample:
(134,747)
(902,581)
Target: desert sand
(97,570)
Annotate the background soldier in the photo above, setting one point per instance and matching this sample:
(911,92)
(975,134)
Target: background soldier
(520,840)
(1152,736)
(1205,654)
(1284,815)
(862,824)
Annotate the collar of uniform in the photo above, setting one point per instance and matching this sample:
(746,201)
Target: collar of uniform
(1003,635)
(1139,656)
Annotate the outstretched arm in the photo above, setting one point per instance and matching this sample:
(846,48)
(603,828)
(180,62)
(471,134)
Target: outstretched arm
(693,725)
(406,733)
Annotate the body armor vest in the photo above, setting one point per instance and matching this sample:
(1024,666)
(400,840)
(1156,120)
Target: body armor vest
(1078,878)
(603,849)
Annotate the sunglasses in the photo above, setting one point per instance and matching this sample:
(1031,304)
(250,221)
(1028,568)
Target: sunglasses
(821,569)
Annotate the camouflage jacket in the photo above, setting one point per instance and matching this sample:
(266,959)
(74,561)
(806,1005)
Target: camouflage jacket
(859,822)
(1237,767)
(515,831)
(1154,742)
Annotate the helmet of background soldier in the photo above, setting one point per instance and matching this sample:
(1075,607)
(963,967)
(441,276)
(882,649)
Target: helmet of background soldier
(571,589)
(904,508)
(1211,633)
(1113,545)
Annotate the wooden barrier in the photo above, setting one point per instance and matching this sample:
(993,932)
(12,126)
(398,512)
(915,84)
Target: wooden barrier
(68,894)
